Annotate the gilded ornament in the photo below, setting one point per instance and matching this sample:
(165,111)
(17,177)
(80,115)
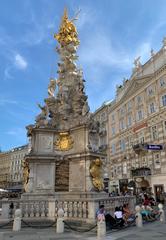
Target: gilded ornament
(64,142)
(67,33)
(95,171)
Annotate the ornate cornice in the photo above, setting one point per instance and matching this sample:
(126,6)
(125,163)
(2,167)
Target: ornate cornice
(136,84)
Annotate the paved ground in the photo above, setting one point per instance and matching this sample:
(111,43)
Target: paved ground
(149,231)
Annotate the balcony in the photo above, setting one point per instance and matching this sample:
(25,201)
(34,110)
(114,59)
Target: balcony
(140,148)
(141,172)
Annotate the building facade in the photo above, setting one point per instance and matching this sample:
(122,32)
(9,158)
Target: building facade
(11,176)
(101,116)
(4,170)
(137,128)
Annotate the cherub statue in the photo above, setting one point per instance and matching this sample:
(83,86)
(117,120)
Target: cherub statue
(44,109)
(51,87)
(41,119)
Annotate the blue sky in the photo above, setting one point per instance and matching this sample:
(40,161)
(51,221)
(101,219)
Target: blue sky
(112,34)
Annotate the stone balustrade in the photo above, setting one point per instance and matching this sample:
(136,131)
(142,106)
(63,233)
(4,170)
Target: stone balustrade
(29,208)
(74,209)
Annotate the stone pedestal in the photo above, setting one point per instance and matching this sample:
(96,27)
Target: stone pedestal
(17,220)
(53,169)
(42,175)
(5,209)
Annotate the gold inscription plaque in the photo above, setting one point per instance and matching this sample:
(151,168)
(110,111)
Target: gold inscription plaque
(64,142)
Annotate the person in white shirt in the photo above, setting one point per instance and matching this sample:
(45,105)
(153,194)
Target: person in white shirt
(119,216)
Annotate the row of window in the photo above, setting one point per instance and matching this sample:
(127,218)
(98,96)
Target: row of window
(141,138)
(16,176)
(17,162)
(140,115)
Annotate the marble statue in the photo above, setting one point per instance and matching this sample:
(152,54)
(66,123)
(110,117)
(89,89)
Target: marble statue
(26,172)
(51,87)
(137,62)
(69,108)
(41,119)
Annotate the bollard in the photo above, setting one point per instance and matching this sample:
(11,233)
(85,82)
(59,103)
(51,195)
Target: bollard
(60,223)
(162,214)
(17,220)
(101,226)
(138,216)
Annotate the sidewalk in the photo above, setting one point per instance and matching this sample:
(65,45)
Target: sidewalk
(150,231)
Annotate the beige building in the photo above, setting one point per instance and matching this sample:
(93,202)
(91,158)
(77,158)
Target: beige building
(137,127)
(4,170)
(11,176)
(101,116)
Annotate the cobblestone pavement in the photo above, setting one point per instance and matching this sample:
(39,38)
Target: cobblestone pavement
(149,231)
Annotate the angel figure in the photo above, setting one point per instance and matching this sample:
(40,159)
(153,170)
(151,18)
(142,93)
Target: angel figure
(51,87)
(44,110)
(41,119)
(95,172)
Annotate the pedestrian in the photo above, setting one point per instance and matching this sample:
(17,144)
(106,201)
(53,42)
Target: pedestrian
(110,221)
(119,216)
(11,208)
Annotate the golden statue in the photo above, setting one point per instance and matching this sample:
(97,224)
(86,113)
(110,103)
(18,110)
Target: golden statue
(26,172)
(67,31)
(95,171)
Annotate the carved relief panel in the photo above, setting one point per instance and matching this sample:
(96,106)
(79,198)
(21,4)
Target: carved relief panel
(45,143)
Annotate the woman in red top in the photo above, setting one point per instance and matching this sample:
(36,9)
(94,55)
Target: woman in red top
(146,201)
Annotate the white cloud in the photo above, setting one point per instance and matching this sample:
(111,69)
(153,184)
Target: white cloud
(144,51)
(16,132)
(7,74)
(99,50)
(4,101)
(86,17)
(20,62)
